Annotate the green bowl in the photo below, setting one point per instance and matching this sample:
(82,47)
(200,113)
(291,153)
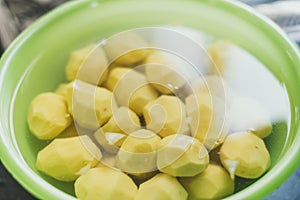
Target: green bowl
(35,63)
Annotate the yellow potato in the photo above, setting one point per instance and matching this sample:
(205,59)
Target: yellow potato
(209,120)
(106,184)
(167,72)
(90,105)
(138,152)
(110,142)
(62,90)
(88,64)
(126,48)
(123,120)
(65,159)
(213,85)
(48,116)
(66,90)
(244,154)
(162,187)
(213,183)
(218,53)
(166,116)
(181,155)
(130,88)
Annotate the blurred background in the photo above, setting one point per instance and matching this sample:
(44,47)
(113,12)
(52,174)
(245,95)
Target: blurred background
(16,15)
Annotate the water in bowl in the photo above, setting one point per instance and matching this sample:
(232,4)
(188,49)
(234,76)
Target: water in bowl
(245,75)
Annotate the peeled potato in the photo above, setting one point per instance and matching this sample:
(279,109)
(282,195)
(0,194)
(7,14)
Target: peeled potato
(244,154)
(181,155)
(88,64)
(166,116)
(167,72)
(213,183)
(48,116)
(90,105)
(123,120)
(106,184)
(213,85)
(130,88)
(126,48)
(65,159)
(208,117)
(138,152)
(218,53)
(161,186)
(62,89)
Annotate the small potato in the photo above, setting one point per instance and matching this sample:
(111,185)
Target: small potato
(245,155)
(65,159)
(110,142)
(166,116)
(213,183)
(161,186)
(88,64)
(127,48)
(138,152)
(181,155)
(130,88)
(167,72)
(90,105)
(123,121)
(209,120)
(106,184)
(48,116)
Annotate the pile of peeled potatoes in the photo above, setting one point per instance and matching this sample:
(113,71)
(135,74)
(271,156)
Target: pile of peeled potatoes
(139,126)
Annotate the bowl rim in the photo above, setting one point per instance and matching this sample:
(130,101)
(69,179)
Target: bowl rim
(41,189)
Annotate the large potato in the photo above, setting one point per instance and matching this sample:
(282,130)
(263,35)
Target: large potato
(244,154)
(65,159)
(48,116)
